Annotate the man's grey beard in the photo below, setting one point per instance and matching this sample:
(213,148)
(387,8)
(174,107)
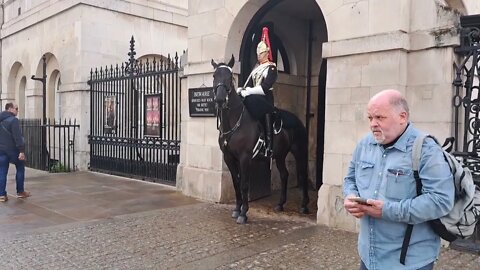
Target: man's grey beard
(381,139)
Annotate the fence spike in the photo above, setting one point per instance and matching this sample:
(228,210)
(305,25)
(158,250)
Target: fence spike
(176,60)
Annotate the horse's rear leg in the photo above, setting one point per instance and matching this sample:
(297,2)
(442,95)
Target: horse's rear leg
(233,168)
(282,169)
(302,179)
(302,168)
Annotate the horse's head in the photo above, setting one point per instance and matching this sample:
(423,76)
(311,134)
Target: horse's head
(223,81)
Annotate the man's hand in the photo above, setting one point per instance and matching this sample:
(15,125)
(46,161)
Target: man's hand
(352,207)
(373,209)
(21,156)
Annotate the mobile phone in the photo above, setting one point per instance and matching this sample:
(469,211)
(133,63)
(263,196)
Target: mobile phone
(359,200)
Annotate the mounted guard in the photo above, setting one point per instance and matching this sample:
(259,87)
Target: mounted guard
(258,93)
(239,131)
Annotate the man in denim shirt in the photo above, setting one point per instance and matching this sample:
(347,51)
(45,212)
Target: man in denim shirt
(381,172)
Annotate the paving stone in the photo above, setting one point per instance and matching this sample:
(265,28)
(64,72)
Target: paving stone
(189,235)
(202,236)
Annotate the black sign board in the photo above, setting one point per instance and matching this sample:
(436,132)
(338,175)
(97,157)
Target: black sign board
(200,102)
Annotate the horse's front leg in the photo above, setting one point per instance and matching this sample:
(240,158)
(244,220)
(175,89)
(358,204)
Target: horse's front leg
(233,168)
(245,162)
(282,169)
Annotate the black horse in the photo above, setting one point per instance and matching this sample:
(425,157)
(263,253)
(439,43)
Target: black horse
(239,133)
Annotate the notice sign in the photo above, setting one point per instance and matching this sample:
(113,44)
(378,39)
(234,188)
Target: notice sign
(200,102)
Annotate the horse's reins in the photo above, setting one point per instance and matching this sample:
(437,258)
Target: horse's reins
(219,117)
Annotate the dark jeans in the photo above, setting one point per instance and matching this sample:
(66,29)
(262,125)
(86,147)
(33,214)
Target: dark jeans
(426,267)
(19,176)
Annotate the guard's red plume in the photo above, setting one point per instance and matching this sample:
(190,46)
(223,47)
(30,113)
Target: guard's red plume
(266,39)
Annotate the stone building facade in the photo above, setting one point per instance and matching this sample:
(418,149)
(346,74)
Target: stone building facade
(76,36)
(333,55)
(363,45)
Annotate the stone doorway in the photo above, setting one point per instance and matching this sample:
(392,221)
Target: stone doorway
(297,30)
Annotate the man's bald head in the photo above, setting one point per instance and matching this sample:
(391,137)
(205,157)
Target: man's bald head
(388,115)
(392,97)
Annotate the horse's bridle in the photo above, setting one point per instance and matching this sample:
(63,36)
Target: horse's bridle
(225,106)
(221,84)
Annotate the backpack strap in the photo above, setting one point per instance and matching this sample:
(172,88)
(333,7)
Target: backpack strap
(3,126)
(416,155)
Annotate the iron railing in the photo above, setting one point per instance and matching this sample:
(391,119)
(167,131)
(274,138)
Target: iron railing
(466,103)
(135,118)
(50,147)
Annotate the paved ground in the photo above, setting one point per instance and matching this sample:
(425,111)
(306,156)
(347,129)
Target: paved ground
(93,221)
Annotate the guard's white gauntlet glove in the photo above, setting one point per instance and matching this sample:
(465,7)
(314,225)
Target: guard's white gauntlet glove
(239,89)
(257,90)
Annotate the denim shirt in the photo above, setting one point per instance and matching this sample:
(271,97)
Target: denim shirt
(387,175)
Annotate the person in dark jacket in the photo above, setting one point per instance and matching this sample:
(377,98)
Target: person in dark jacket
(12,150)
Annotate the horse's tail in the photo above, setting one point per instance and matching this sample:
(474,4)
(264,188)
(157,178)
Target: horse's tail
(299,148)
(300,152)
(297,131)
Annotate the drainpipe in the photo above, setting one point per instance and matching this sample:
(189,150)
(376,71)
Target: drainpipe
(45,155)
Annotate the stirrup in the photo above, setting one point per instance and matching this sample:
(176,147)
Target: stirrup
(276,131)
(258,146)
(268,152)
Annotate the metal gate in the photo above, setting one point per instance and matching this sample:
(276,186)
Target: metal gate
(135,118)
(466,103)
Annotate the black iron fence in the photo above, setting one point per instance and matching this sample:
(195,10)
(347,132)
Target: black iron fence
(135,118)
(50,147)
(466,103)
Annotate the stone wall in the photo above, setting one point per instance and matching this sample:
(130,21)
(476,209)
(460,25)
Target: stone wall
(77,36)
(412,53)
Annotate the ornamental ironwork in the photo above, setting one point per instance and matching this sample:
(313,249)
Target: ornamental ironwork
(135,118)
(466,109)
(466,100)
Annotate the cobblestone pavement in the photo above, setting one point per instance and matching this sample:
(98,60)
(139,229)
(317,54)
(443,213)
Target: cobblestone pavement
(200,236)
(94,221)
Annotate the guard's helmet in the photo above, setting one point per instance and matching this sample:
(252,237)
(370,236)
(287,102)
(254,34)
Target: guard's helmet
(264,44)
(262,47)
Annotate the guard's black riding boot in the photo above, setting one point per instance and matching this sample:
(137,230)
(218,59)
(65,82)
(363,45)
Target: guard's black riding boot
(268,135)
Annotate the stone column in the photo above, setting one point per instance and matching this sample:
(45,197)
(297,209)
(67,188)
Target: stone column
(376,45)
(202,173)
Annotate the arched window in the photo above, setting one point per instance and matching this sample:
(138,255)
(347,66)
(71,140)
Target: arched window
(21,97)
(58,100)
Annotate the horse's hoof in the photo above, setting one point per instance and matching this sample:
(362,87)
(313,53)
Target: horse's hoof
(242,219)
(278,208)
(235,214)
(304,210)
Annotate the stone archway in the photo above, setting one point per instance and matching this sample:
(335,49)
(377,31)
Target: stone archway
(53,77)
(297,32)
(217,32)
(53,74)
(16,84)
